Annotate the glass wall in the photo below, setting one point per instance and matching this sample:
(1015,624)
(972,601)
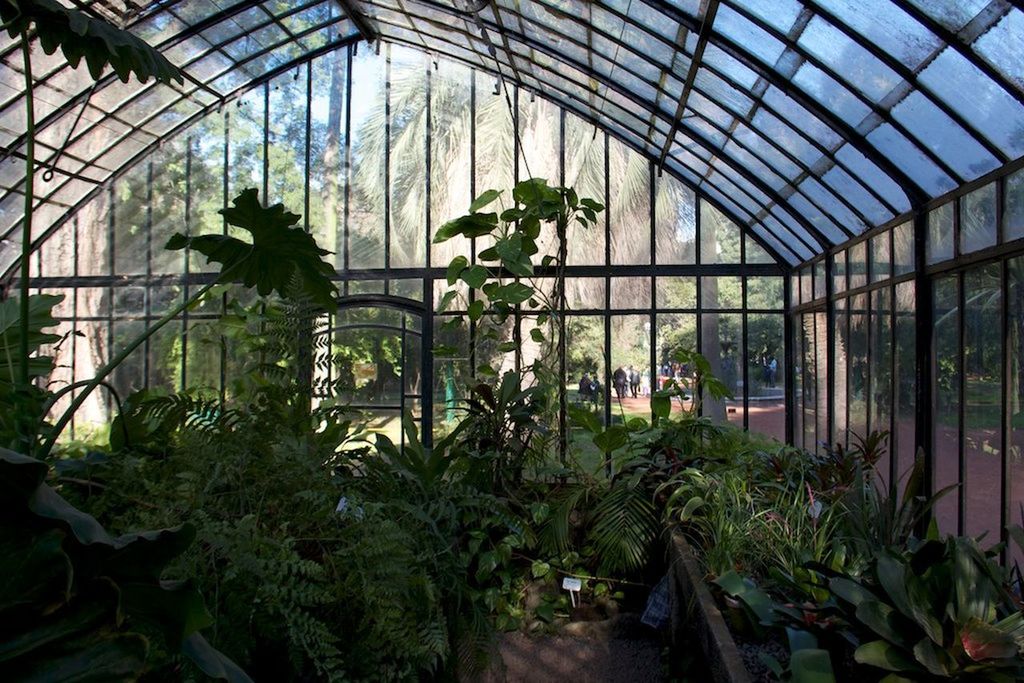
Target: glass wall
(376,149)
(970,321)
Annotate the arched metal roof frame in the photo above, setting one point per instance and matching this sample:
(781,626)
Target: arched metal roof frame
(788,164)
(774,246)
(693,177)
(693,135)
(782,252)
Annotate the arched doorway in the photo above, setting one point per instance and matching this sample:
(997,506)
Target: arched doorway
(371,355)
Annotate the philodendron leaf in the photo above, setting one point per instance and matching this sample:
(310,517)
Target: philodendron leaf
(280,252)
(611,439)
(79,35)
(483,200)
(40,317)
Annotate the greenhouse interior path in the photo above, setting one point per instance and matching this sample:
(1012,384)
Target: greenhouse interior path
(629,655)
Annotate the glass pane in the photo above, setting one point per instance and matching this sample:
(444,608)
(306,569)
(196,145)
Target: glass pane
(629,205)
(901,443)
(450,147)
(978,219)
(858,265)
(676,221)
(881,257)
(839,372)
(1014,207)
(586,381)
(630,360)
(584,172)
(366,138)
(880,373)
(1015,341)
(857,362)
(766,413)
(839,273)
(631,292)
(721,292)
(675,332)
(755,253)
(946,381)
(721,344)
(903,249)
(983,375)
(939,241)
(676,292)
(131,222)
(764,292)
(407,158)
(719,237)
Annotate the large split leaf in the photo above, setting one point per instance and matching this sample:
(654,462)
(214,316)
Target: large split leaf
(279,256)
(40,317)
(80,36)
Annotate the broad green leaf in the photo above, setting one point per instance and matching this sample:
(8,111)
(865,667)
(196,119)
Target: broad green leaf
(280,254)
(79,35)
(475,310)
(936,660)
(884,621)
(511,247)
(446,300)
(537,335)
(850,591)
(211,661)
(475,276)
(661,405)
(483,200)
(811,666)
(472,225)
(585,418)
(513,293)
(455,268)
(611,439)
(40,317)
(885,655)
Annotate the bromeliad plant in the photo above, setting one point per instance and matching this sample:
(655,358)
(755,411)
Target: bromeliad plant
(936,610)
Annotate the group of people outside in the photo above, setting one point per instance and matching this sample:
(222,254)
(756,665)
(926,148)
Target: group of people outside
(628,382)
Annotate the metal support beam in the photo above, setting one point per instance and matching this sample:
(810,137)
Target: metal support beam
(362,22)
(691,75)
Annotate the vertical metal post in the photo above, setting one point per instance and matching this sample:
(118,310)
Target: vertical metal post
(924,405)
(186,263)
(427,371)
(830,347)
(788,332)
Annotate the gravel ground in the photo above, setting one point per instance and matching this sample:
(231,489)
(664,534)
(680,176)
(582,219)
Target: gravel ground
(750,651)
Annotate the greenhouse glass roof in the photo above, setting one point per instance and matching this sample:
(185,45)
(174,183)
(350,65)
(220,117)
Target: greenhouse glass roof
(809,122)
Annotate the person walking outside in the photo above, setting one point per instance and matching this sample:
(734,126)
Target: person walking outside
(619,380)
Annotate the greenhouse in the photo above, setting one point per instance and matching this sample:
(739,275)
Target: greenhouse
(517,340)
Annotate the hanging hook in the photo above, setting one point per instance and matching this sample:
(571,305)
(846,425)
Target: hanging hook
(48,173)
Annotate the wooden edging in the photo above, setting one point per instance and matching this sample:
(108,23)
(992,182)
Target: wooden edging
(694,609)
